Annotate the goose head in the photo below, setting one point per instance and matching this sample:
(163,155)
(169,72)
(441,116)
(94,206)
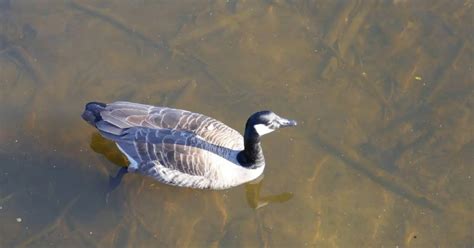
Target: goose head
(258,124)
(264,122)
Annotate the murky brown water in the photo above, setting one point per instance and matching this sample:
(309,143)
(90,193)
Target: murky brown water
(383,91)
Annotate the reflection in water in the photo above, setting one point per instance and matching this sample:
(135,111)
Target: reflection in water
(110,151)
(256,201)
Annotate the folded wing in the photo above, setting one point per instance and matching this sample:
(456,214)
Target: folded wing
(126,115)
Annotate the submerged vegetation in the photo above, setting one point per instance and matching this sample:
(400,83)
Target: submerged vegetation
(383,91)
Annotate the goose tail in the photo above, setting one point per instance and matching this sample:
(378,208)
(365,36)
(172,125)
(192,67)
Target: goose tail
(92,111)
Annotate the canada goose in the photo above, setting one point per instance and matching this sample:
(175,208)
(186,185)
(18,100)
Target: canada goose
(183,148)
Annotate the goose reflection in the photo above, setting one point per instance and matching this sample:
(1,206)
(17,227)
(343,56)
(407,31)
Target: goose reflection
(109,150)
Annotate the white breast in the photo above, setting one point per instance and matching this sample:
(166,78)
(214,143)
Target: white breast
(226,173)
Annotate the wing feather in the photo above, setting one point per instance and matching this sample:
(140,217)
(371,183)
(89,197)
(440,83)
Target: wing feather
(126,115)
(173,149)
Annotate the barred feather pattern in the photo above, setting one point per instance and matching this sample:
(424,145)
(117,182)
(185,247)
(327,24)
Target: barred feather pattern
(175,146)
(127,114)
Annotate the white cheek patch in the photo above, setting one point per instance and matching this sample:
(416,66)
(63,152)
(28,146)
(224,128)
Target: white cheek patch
(262,129)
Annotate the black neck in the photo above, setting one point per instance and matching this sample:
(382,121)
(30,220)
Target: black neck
(252,155)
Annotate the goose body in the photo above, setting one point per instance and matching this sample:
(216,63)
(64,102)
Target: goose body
(183,148)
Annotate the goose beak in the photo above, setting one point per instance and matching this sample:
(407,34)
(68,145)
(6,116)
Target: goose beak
(287,123)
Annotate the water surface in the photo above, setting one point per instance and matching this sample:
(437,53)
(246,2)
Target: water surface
(383,92)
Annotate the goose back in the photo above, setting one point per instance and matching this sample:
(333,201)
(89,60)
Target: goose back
(126,114)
